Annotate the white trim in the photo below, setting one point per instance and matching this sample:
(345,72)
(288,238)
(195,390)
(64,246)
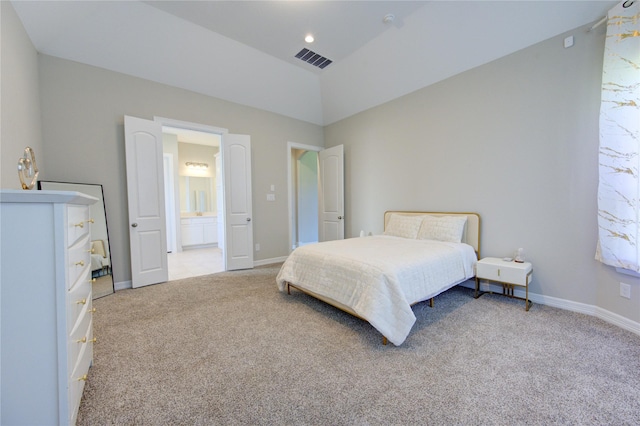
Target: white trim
(170,122)
(122,285)
(290,147)
(628,272)
(620,321)
(269,261)
(170,201)
(567,305)
(198,127)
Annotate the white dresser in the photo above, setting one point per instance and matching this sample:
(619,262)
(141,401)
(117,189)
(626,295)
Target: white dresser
(46,340)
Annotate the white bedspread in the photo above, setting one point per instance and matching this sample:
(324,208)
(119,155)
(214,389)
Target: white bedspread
(97,262)
(379,277)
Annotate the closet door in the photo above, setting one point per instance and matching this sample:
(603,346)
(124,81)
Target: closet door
(238,235)
(331,193)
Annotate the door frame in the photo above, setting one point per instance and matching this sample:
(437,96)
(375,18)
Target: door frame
(187,125)
(169,200)
(290,147)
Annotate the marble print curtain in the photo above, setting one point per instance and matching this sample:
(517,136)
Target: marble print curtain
(619,158)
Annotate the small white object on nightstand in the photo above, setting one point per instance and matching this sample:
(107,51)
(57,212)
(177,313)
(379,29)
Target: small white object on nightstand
(507,273)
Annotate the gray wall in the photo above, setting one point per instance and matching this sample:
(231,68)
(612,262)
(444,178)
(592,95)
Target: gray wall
(20,98)
(83,109)
(515,140)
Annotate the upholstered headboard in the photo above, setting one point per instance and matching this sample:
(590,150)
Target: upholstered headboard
(471,234)
(97,247)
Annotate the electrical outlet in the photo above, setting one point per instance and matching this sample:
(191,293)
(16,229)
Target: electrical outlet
(625,290)
(257,247)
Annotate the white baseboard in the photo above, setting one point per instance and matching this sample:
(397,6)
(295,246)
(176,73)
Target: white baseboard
(568,305)
(122,285)
(300,244)
(270,261)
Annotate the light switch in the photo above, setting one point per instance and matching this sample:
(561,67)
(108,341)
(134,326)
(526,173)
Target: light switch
(271,197)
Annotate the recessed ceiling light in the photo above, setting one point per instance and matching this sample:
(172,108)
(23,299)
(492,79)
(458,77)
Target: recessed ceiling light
(309,38)
(388,18)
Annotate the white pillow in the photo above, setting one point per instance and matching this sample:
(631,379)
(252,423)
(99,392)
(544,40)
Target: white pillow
(404,226)
(442,228)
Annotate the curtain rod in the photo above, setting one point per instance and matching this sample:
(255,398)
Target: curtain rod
(626,4)
(597,24)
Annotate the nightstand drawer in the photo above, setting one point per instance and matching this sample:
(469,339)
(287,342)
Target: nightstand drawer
(495,269)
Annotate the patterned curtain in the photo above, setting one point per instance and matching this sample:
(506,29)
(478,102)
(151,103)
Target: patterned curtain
(619,158)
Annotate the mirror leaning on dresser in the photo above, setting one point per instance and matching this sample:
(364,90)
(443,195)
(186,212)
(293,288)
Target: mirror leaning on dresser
(101,267)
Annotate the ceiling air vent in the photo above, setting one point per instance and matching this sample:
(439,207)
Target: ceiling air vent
(313,58)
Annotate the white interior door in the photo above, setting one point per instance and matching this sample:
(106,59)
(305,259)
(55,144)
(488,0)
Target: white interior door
(331,194)
(238,229)
(145,193)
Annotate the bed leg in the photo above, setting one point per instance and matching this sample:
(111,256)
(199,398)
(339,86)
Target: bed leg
(384,340)
(431,302)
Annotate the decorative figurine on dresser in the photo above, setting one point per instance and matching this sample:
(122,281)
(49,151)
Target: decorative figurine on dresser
(46,340)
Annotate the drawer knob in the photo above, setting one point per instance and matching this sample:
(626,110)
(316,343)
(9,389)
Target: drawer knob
(83,378)
(83,340)
(95,339)
(91,221)
(82,302)
(93,310)
(79,225)
(81,263)
(93,280)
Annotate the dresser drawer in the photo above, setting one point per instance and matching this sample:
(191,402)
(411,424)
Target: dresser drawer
(507,272)
(80,337)
(77,379)
(78,262)
(78,223)
(77,300)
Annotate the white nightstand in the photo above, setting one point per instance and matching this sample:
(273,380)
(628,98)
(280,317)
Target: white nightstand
(509,274)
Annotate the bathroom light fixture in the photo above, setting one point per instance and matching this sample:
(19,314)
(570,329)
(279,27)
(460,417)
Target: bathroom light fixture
(309,38)
(197,165)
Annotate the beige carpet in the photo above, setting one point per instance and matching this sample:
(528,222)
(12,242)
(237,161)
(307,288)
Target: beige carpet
(229,348)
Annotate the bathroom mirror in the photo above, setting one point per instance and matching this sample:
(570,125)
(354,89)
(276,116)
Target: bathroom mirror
(101,269)
(197,195)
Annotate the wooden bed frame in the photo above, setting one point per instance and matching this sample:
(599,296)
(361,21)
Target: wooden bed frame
(471,236)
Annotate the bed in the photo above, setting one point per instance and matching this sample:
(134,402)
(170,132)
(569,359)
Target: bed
(378,278)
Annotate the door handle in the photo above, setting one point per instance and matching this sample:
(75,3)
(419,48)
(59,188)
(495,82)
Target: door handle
(339,217)
(248,219)
(134,225)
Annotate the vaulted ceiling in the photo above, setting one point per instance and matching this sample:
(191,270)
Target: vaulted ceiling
(244,51)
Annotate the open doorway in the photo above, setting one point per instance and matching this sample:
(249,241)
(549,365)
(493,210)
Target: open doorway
(193,194)
(303,190)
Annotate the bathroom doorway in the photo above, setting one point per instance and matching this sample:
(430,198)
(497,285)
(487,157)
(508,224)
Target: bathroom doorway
(195,218)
